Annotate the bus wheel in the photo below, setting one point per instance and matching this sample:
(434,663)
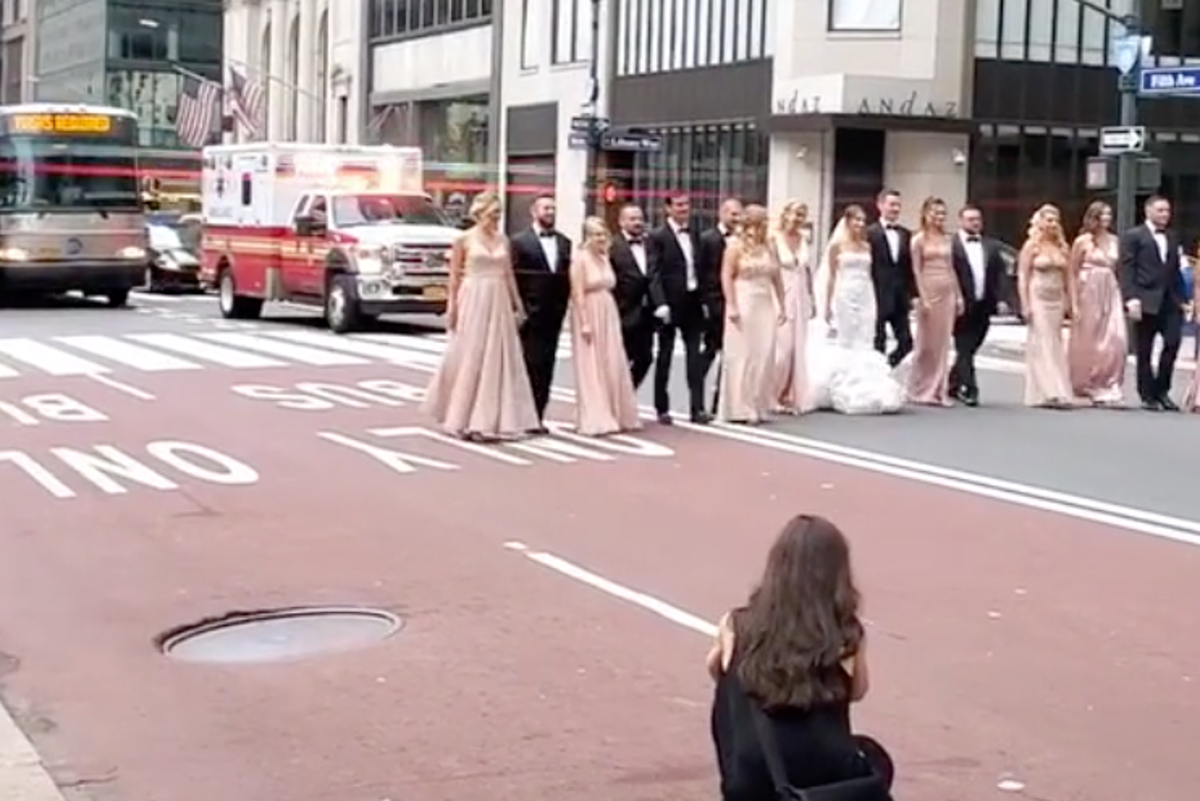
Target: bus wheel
(118,298)
(342,312)
(232,305)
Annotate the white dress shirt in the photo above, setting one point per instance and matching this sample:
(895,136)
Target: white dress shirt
(1160,239)
(638,249)
(684,238)
(893,240)
(977,260)
(549,248)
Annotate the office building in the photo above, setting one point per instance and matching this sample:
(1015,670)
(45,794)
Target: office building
(996,101)
(17,25)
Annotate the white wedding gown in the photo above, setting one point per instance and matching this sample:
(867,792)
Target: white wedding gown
(845,372)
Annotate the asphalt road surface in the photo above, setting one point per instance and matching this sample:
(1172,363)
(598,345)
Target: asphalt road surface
(1029,577)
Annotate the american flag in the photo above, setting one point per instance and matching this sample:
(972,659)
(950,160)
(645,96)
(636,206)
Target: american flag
(247,102)
(198,111)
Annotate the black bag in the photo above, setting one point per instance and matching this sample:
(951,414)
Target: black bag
(866,788)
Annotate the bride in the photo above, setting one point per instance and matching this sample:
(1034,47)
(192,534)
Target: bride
(848,375)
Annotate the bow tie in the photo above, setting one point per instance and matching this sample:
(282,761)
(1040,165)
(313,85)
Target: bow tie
(635,240)
(1161,231)
(972,238)
(546,234)
(892,227)
(681,230)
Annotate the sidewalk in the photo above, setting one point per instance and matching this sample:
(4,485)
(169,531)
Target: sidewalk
(23,777)
(1009,339)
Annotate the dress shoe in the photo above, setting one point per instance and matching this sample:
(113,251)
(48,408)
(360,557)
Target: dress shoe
(1151,405)
(701,418)
(1167,404)
(664,419)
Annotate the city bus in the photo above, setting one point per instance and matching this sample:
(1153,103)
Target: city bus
(71,216)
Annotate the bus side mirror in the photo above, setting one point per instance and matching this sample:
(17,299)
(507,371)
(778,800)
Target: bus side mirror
(310,226)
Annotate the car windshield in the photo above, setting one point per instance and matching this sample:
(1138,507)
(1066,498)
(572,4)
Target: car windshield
(48,175)
(349,210)
(164,238)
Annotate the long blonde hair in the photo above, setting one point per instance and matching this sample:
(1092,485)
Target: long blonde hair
(792,211)
(483,205)
(1045,227)
(595,228)
(753,232)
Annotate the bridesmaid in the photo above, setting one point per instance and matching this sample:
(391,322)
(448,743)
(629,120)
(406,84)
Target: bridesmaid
(791,249)
(754,304)
(1045,284)
(941,303)
(1098,345)
(605,402)
(480,391)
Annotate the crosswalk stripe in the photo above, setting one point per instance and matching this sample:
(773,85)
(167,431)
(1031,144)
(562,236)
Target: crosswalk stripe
(8,372)
(48,359)
(358,347)
(285,350)
(427,344)
(206,351)
(128,354)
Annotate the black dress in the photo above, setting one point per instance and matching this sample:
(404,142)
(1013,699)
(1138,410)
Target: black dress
(816,744)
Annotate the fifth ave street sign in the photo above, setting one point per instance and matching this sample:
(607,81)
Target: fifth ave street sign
(1122,140)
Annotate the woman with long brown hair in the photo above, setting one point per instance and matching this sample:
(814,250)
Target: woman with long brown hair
(1098,344)
(791,246)
(754,297)
(941,303)
(795,654)
(1046,287)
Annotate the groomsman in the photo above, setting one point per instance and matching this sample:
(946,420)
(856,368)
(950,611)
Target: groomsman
(542,263)
(979,267)
(1152,286)
(892,274)
(628,259)
(712,253)
(679,299)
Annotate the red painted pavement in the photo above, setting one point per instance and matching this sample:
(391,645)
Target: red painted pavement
(1005,642)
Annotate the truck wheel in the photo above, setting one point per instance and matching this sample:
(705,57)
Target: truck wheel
(232,305)
(342,311)
(118,298)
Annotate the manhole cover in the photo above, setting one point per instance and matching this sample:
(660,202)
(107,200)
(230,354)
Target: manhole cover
(278,634)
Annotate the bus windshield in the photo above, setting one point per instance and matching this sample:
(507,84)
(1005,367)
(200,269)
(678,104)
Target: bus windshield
(60,174)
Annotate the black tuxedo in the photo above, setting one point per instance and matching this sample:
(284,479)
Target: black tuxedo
(632,293)
(895,288)
(668,278)
(545,291)
(979,304)
(712,254)
(1157,283)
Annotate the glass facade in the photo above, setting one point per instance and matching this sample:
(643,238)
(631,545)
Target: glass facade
(711,162)
(123,54)
(395,19)
(1043,87)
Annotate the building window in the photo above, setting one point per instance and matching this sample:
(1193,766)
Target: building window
(655,36)
(570,31)
(864,15)
(389,19)
(529,39)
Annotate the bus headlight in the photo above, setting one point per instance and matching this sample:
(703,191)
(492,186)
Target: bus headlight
(14,254)
(132,252)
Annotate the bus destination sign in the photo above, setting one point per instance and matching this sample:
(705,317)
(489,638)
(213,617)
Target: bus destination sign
(60,123)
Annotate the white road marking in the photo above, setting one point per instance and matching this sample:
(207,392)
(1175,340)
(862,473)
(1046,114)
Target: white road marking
(119,386)
(128,354)
(152,298)
(47,359)
(356,346)
(8,372)
(285,350)
(23,775)
(663,609)
(427,344)
(207,351)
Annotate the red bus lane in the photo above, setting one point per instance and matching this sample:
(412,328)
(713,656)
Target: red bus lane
(1008,644)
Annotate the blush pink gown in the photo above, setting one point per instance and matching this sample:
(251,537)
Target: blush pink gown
(605,402)
(481,389)
(1047,371)
(929,379)
(1098,345)
(1191,398)
(791,338)
(748,356)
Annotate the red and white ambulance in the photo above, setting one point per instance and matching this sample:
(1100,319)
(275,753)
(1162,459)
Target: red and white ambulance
(349,230)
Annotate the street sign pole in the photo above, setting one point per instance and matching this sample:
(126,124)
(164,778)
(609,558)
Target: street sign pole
(1127,163)
(594,132)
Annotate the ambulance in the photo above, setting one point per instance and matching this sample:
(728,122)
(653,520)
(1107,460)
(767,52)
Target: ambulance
(348,230)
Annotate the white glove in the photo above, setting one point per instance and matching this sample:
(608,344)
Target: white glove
(663,313)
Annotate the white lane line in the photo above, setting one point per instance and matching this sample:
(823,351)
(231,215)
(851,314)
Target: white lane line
(396,353)
(128,354)
(119,386)
(23,775)
(206,351)
(47,359)
(406,341)
(657,606)
(285,350)
(8,372)
(151,298)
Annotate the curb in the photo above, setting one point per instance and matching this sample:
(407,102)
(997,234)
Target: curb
(23,776)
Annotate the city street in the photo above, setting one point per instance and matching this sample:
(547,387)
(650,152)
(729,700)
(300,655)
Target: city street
(1028,576)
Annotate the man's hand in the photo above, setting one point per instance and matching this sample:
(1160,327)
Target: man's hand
(663,313)
(1133,308)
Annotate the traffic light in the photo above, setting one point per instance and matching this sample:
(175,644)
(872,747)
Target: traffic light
(1174,26)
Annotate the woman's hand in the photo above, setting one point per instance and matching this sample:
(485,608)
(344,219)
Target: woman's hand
(451,319)
(960,307)
(520,315)
(585,331)
(734,316)
(782,319)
